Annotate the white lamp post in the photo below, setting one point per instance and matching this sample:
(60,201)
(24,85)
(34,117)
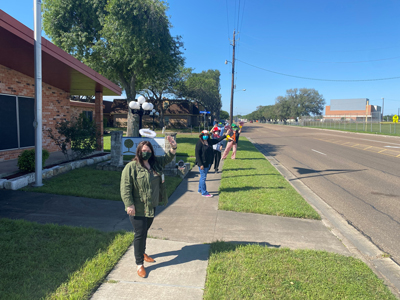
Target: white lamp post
(140,107)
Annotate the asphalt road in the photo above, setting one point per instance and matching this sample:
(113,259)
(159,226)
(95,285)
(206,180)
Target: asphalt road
(356,174)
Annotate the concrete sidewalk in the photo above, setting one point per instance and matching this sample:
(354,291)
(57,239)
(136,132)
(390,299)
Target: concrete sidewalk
(180,231)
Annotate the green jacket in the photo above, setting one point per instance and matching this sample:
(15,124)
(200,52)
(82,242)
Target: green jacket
(136,189)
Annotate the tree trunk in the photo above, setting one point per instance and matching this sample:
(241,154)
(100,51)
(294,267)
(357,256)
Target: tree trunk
(132,129)
(133,124)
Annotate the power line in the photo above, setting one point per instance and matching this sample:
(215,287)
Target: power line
(227,17)
(329,62)
(319,79)
(238,14)
(331,51)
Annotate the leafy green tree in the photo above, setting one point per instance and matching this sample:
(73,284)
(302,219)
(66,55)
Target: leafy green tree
(223,115)
(204,88)
(299,102)
(159,88)
(127,41)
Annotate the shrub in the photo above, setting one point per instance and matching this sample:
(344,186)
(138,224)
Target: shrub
(79,134)
(26,160)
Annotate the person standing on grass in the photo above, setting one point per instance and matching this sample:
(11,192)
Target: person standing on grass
(204,159)
(142,189)
(233,139)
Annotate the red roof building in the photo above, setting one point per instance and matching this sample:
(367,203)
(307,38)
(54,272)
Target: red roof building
(62,76)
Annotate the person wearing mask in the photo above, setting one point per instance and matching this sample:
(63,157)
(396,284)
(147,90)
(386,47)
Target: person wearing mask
(142,190)
(233,139)
(204,159)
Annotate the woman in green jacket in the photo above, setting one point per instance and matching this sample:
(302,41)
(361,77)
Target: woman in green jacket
(142,189)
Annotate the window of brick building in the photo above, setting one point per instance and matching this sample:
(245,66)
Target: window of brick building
(16,122)
(88,114)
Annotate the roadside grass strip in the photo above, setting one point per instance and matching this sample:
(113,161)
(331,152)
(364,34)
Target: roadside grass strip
(251,184)
(56,262)
(255,272)
(91,183)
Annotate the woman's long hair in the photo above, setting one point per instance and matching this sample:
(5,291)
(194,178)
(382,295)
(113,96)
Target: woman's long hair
(139,151)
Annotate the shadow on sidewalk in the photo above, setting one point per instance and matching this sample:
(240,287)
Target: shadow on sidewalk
(182,256)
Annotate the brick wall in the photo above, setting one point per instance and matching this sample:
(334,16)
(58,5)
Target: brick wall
(78,107)
(55,105)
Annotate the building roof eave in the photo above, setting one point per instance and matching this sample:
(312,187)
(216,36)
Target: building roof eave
(59,68)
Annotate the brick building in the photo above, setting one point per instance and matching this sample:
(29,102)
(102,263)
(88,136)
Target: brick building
(62,76)
(180,113)
(352,109)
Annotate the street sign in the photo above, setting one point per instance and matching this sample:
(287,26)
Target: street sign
(204,112)
(395,119)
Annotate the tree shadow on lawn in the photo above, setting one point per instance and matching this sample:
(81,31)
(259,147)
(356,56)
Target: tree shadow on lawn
(40,258)
(250,175)
(237,169)
(249,188)
(221,246)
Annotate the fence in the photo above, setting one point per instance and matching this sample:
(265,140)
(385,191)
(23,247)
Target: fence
(359,123)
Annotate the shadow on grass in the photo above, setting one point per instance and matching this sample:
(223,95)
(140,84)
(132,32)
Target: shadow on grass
(237,169)
(260,158)
(43,257)
(250,175)
(249,188)
(221,246)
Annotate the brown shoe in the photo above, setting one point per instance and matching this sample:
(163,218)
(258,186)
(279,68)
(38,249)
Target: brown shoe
(148,258)
(141,272)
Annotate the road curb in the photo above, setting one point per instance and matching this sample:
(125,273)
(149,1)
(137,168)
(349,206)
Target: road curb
(361,247)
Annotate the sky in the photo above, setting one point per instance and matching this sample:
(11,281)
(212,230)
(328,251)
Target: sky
(342,48)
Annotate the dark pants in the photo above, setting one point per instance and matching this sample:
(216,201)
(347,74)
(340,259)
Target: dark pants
(217,158)
(141,226)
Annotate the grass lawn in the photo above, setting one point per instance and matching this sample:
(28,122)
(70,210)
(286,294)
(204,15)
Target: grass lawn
(55,262)
(60,262)
(385,128)
(257,272)
(251,184)
(91,183)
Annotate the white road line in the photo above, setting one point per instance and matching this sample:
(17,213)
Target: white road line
(318,152)
(391,147)
(356,138)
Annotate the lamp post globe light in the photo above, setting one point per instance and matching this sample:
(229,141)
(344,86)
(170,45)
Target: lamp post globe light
(140,107)
(153,114)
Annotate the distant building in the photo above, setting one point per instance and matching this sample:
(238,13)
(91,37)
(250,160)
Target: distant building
(180,113)
(352,109)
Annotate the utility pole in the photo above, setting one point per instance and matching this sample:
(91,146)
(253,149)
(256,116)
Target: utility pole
(233,78)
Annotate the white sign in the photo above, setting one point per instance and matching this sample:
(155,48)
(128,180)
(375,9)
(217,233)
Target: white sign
(129,145)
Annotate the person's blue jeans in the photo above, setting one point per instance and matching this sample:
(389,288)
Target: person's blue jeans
(202,182)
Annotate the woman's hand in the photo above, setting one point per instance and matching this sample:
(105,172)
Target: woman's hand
(131,210)
(173,144)
(202,168)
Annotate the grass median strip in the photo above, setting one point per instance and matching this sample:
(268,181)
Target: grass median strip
(257,272)
(55,262)
(251,184)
